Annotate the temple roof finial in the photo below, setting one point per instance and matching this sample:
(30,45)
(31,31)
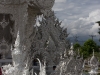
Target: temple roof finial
(82,55)
(71,46)
(93,52)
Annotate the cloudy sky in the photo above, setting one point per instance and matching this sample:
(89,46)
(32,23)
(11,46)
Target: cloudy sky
(79,17)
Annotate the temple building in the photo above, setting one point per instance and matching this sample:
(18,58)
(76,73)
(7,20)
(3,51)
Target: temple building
(70,65)
(17,20)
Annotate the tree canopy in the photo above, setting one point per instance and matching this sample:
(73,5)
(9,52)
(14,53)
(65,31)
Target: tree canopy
(77,46)
(87,48)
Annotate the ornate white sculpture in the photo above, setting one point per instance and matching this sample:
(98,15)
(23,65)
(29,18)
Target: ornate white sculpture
(94,65)
(24,14)
(8,70)
(42,67)
(69,66)
(6,36)
(41,4)
(50,30)
(71,52)
(4,47)
(3,23)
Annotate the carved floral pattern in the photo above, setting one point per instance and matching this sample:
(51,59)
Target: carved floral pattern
(3,23)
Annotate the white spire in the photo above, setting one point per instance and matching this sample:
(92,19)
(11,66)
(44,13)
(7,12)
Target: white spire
(93,52)
(17,42)
(71,46)
(71,52)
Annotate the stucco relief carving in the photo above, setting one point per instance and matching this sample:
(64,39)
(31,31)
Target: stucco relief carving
(6,2)
(24,14)
(4,23)
(42,4)
(6,33)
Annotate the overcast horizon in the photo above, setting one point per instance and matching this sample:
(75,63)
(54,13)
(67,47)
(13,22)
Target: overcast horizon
(79,17)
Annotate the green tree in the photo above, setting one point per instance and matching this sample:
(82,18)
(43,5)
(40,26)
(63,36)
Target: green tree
(76,46)
(88,47)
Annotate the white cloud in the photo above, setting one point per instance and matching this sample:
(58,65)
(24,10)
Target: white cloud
(84,25)
(79,16)
(93,16)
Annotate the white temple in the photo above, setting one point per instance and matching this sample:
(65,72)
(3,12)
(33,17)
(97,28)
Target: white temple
(22,42)
(19,16)
(70,65)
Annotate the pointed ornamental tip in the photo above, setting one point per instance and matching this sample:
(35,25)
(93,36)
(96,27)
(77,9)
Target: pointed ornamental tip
(93,52)
(93,60)
(17,42)
(71,46)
